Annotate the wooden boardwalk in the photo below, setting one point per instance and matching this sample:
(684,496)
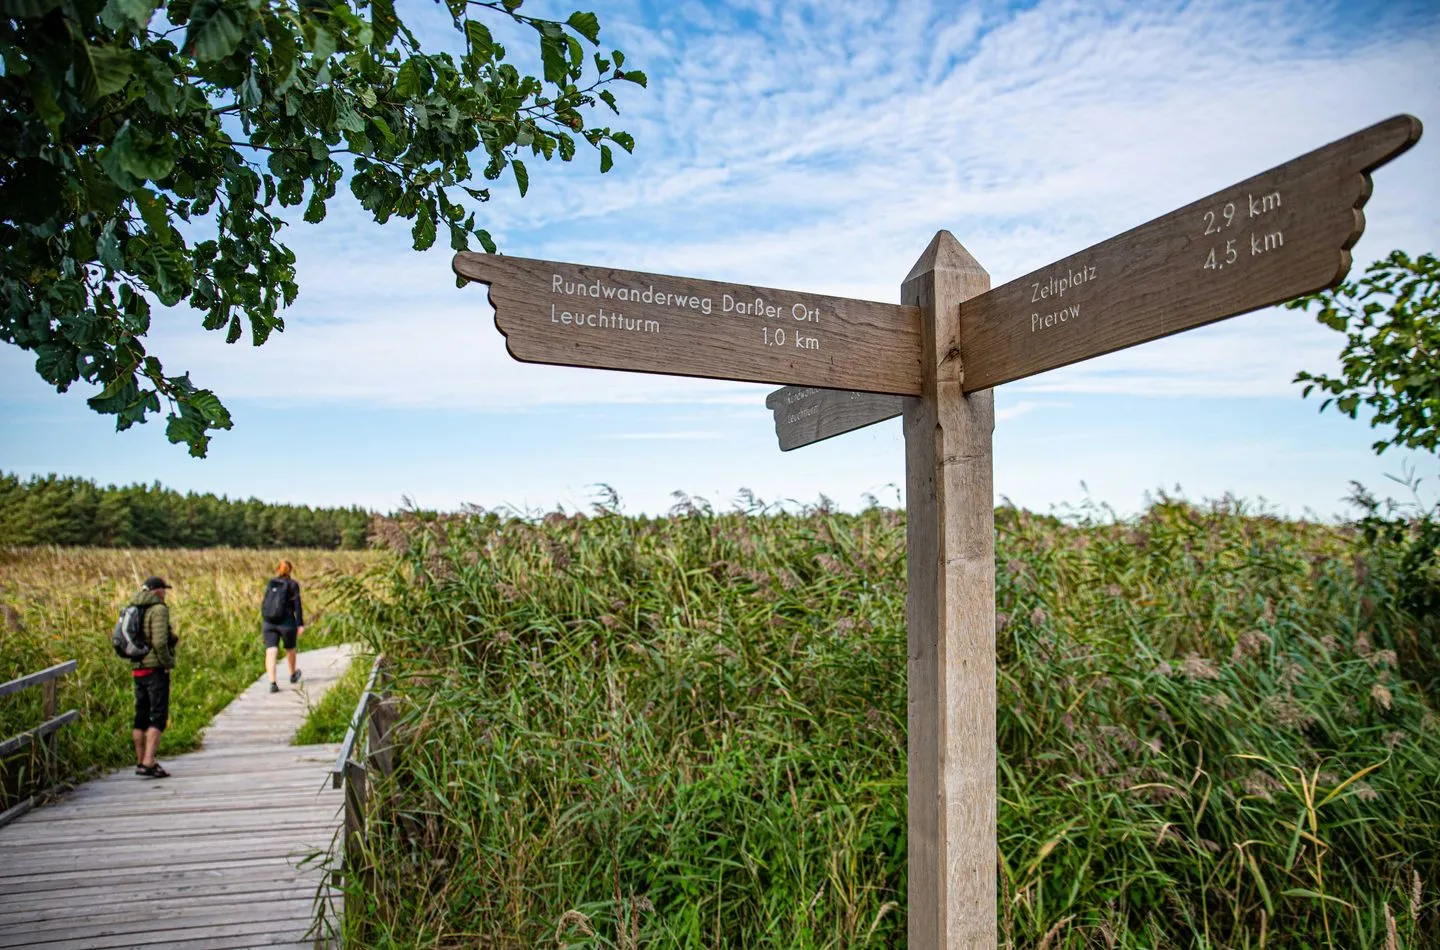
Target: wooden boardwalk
(212,858)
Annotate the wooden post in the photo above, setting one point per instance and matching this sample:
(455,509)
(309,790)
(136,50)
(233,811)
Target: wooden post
(950,544)
(51,710)
(355,795)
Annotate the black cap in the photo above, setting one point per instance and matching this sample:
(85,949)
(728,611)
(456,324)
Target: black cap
(156,583)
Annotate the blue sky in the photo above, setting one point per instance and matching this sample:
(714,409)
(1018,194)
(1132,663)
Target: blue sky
(818,146)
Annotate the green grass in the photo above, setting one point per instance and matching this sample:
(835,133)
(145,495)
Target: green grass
(60,604)
(328,719)
(690,732)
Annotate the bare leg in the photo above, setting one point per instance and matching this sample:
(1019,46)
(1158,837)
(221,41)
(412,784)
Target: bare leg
(138,735)
(152,743)
(290,658)
(270,654)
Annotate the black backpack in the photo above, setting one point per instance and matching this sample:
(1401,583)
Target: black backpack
(275,608)
(128,638)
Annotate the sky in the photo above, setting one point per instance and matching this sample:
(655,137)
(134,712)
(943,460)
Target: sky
(818,146)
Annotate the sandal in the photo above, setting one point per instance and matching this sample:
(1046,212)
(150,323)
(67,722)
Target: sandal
(153,771)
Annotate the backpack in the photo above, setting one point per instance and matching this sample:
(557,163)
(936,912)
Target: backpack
(275,608)
(128,638)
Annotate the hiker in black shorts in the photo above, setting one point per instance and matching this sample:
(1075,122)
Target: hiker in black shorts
(151,674)
(283,620)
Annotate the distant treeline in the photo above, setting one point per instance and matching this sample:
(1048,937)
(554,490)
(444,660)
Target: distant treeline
(76,511)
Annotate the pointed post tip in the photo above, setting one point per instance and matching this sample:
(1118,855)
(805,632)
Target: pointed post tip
(945,253)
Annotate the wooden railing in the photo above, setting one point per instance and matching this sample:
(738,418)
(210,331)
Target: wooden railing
(43,733)
(366,750)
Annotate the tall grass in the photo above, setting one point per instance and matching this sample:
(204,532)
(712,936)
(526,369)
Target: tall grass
(690,732)
(60,604)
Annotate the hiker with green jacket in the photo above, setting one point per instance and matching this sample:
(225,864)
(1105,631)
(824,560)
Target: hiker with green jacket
(151,673)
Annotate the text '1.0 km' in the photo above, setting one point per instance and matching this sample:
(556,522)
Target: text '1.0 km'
(583,315)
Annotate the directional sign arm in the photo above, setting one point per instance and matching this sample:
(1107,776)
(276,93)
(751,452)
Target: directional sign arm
(1282,234)
(805,415)
(584,315)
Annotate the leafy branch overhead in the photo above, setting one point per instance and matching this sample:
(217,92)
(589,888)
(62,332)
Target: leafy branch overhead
(148,151)
(1391,360)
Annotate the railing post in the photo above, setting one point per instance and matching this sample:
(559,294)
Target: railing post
(51,710)
(355,796)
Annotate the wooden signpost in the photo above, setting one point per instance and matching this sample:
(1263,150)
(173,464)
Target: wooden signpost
(1281,234)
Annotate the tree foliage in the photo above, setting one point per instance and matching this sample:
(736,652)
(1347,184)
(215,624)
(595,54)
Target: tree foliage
(1391,360)
(149,150)
(69,512)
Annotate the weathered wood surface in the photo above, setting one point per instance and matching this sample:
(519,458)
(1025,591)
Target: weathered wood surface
(213,857)
(45,729)
(1279,235)
(806,415)
(31,679)
(950,614)
(584,315)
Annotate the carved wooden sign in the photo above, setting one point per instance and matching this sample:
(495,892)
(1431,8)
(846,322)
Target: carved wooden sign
(804,415)
(582,315)
(1279,235)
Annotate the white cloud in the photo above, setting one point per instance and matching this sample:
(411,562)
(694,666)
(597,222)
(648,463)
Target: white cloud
(817,146)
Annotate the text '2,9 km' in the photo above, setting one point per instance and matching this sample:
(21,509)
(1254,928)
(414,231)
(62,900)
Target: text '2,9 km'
(1279,235)
(582,315)
(1285,233)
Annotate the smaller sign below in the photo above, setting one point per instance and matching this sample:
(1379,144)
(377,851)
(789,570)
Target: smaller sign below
(804,415)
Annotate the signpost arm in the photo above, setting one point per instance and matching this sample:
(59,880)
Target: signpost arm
(949,501)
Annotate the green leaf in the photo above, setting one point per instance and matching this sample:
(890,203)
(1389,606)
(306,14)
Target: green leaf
(633,75)
(522,177)
(407,80)
(214,30)
(384,24)
(113,68)
(423,232)
(554,56)
(586,24)
(136,14)
(153,211)
(1315,895)
(607,97)
(482,44)
(624,140)
(211,409)
(607,160)
(141,156)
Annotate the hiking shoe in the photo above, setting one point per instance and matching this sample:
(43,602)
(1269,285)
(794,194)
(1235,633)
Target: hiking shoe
(153,771)
(295,677)
(139,769)
(274,687)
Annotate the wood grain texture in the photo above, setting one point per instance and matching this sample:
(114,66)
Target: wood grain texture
(1279,235)
(805,415)
(44,676)
(950,551)
(212,857)
(682,326)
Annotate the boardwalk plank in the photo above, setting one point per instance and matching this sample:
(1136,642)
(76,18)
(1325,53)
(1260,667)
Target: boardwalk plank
(141,919)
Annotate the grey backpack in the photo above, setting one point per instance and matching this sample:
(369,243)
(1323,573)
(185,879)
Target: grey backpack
(128,639)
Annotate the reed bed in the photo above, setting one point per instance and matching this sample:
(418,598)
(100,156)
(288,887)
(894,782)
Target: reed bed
(690,732)
(61,603)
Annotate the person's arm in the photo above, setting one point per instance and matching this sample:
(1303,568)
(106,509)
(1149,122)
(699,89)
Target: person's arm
(157,628)
(299,608)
